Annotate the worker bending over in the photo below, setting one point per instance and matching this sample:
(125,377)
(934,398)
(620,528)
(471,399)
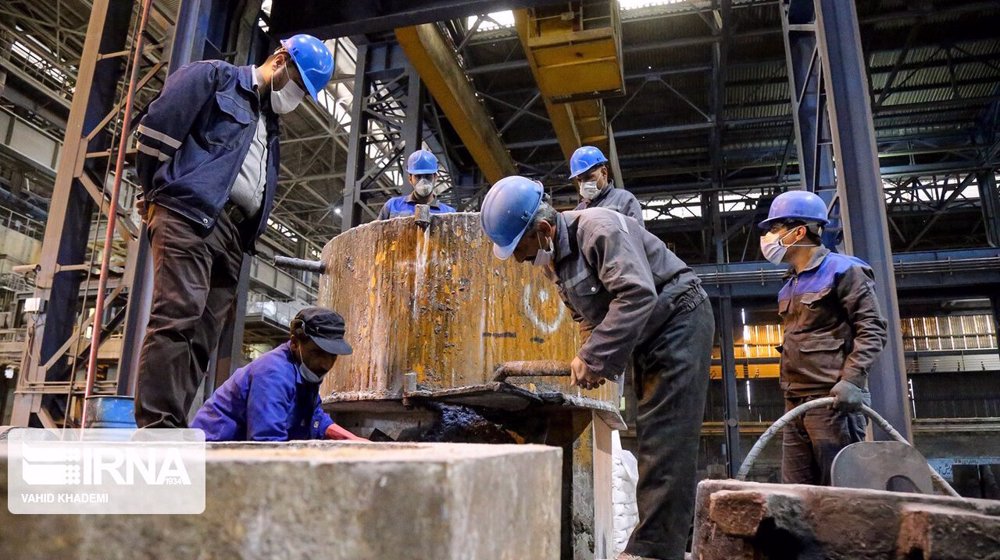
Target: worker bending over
(634,299)
(422,172)
(833,332)
(276,397)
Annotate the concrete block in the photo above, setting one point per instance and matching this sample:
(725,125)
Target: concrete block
(736,520)
(330,500)
(934,532)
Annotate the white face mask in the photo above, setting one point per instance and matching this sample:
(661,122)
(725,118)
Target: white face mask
(286,99)
(544,257)
(773,247)
(308,374)
(423,187)
(589,190)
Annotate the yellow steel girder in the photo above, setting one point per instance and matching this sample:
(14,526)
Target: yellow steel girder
(447,82)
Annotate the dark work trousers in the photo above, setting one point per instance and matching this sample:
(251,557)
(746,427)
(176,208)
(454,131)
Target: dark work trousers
(195,279)
(811,441)
(672,373)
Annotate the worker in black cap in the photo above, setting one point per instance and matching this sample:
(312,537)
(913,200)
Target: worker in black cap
(276,397)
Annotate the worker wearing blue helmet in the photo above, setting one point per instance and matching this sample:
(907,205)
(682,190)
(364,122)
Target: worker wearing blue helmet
(208,165)
(833,331)
(421,172)
(634,300)
(589,169)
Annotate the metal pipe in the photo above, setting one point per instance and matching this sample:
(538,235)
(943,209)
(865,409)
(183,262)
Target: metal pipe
(289,263)
(536,368)
(828,401)
(109,235)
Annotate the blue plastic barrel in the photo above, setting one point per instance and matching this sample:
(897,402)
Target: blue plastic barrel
(111,412)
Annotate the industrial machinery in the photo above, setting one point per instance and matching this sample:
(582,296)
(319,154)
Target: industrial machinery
(434,320)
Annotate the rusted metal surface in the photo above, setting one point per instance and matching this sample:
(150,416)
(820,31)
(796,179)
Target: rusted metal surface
(435,301)
(746,520)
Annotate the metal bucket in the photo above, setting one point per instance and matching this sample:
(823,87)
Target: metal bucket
(111,412)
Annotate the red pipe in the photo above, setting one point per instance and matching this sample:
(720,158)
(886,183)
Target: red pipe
(102,282)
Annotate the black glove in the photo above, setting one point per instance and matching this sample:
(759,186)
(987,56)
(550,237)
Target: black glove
(848,397)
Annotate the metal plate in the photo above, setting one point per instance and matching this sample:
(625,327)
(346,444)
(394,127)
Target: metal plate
(882,465)
(496,396)
(499,396)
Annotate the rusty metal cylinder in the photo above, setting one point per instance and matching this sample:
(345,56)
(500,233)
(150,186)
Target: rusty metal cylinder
(435,301)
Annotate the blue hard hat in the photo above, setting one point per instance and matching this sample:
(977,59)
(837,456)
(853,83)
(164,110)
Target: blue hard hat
(507,211)
(584,158)
(796,205)
(313,59)
(421,162)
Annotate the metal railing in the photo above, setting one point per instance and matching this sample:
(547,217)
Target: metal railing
(22,224)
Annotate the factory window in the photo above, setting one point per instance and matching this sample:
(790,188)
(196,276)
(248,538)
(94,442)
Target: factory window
(949,333)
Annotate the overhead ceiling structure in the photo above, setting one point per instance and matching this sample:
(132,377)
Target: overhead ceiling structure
(706,107)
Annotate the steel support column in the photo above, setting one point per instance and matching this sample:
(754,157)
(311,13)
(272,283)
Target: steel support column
(188,35)
(810,118)
(249,38)
(413,126)
(860,191)
(717,102)
(989,197)
(995,304)
(352,214)
(385,126)
(194,39)
(734,456)
(433,57)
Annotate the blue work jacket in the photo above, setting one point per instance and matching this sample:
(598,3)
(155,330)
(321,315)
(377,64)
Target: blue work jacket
(402,206)
(833,326)
(267,400)
(194,138)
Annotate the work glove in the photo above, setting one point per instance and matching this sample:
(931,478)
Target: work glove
(847,396)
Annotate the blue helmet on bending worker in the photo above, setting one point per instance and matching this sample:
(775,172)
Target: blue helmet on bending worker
(507,212)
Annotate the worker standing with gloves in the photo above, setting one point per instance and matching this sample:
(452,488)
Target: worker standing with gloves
(208,165)
(589,169)
(634,299)
(422,172)
(833,331)
(276,397)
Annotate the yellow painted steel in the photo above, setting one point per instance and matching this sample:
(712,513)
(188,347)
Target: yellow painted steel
(574,67)
(437,302)
(440,70)
(573,57)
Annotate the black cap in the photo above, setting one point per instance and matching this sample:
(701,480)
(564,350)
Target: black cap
(324,327)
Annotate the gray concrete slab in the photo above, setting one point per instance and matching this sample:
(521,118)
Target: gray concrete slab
(333,501)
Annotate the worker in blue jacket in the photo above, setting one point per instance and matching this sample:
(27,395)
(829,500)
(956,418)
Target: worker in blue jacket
(207,162)
(422,172)
(833,332)
(276,397)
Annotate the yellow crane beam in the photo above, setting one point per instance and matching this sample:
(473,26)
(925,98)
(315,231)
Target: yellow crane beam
(574,68)
(435,61)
